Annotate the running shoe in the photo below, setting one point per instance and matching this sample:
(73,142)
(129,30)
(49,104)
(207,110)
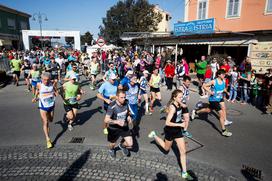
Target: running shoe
(193,114)
(162,110)
(148,113)
(112,153)
(70,127)
(124,150)
(152,134)
(186,176)
(227,123)
(49,144)
(187,134)
(105,131)
(226,133)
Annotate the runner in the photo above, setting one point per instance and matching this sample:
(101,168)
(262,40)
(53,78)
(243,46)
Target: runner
(143,91)
(46,94)
(107,93)
(111,70)
(26,69)
(73,72)
(118,118)
(15,67)
(173,131)
(35,76)
(185,97)
(154,88)
(54,69)
(94,70)
(72,94)
(216,88)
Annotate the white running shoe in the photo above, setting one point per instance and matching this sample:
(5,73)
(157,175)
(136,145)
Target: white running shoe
(227,123)
(70,127)
(193,114)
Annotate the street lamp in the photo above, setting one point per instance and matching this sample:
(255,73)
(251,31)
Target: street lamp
(39,17)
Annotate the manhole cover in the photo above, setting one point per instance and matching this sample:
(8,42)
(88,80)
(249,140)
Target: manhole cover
(77,140)
(233,112)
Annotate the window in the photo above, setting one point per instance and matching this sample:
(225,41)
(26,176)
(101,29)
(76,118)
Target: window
(11,24)
(202,9)
(167,17)
(268,8)
(233,8)
(23,25)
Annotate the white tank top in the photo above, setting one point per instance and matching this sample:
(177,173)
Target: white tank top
(46,97)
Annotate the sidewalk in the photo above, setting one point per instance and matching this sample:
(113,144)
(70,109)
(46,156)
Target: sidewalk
(77,162)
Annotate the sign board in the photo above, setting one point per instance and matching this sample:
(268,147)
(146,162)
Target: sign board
(100,41)
(205,26)
(261,56)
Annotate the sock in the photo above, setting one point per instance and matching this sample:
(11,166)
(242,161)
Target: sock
(223,130)
(146,107)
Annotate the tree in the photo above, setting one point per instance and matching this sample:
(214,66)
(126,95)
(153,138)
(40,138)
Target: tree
(86,38)
(129,16)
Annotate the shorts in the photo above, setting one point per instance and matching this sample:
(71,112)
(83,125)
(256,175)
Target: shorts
(94,75)
(25,75)
(34,83)
(17,73)
(172,133)
(200,76)
(185,110)
(115,133)
(152,89)
(215,105)
(70,107)
(47,109)
(142,92)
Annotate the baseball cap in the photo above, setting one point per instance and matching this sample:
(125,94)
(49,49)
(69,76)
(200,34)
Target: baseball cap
(112,76)
(146,72)
(130,72)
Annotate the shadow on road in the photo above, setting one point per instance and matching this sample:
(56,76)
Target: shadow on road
(86,115)
(64,127)
(204,117)
(74,169)
(88,102)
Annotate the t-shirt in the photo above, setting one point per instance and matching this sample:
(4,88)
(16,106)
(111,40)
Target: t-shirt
(107,89)
(132,94)
(71,91)
(143,83)
(16,64)
(70,73)
(125,81)
(234,76)
(118,112)
(201,67)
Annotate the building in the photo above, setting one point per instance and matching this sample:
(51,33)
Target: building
(11,24)
(163,26)
(238,28)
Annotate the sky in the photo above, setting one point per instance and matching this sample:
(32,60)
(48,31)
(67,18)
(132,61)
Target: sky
(82,15)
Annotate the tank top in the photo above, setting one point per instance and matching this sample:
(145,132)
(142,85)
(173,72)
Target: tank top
(155,80)
(46,97)
(185,94)
(71,91)
(218,90)
(35,75)
(94,68)
(177,117)
(131,94)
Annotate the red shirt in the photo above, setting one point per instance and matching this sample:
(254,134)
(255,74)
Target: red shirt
(169,70)
(225,67)
(208,74)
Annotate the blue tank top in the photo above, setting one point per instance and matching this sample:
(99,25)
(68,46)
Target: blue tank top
(218,90)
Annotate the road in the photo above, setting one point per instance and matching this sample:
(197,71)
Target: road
(250,144)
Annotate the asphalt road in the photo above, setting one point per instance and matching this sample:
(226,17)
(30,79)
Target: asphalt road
(250,144)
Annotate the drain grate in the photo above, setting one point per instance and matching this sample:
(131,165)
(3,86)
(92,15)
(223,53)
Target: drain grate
(77,140)
(250,172)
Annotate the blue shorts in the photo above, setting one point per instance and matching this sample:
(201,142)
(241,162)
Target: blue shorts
(142,92)
(34,83)
(134,111)
(47,109)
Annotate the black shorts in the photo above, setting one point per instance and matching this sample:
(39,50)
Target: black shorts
(215,105)
(185,110)
(200,76)
(17,73)
(115,133)
(152,89)
(70,107)
(25,75)
(172,133)
(94,75)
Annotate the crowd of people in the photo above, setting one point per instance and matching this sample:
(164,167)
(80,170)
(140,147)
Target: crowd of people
(123,78)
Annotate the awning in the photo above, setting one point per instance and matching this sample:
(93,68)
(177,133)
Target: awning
(221,42)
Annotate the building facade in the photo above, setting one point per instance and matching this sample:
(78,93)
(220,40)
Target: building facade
(11,24)
(163,26)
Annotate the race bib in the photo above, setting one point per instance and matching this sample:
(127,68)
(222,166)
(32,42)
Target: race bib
(122,116)
(27,71)
(179,116)
(72,100)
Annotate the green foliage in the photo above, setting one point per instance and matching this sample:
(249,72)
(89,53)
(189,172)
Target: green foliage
(86,38)
(129,16)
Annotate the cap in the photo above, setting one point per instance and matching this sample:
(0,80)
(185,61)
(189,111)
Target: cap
(146,72)
(112,76)
(168,61)
(130,72)
(228,57)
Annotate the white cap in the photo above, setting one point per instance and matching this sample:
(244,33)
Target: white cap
(112,76)
(130,72)
(146,72)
